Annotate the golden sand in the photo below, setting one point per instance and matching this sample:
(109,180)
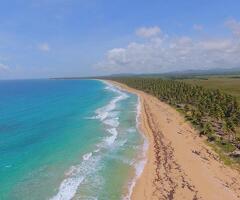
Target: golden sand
(179,164)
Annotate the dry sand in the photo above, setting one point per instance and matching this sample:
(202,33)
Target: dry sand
(179,164)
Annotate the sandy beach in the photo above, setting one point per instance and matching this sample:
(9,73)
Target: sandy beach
(179,164)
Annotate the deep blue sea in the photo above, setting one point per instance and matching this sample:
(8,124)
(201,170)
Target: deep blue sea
(68,139)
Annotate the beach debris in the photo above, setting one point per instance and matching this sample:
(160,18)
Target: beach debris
(235,154)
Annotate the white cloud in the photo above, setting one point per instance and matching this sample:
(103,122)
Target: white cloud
(197,27)
(163,53)
(44,47)
(4,67)
(148,32)
(234,26)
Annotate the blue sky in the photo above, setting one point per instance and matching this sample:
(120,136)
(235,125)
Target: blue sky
(50,38)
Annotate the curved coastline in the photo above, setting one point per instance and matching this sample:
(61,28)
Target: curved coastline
(139,165)
(77,174)
(179,163)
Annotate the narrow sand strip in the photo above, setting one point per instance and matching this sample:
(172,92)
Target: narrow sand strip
(180,165)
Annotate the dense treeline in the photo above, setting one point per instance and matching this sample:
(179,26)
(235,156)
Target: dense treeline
(214,113)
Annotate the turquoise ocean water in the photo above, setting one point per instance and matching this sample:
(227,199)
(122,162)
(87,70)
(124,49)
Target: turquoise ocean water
(68,139)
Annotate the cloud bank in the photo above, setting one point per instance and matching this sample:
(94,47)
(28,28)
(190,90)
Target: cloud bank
(148,32)
(160,53)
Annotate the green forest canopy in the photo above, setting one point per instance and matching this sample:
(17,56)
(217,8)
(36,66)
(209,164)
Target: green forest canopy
(214,113)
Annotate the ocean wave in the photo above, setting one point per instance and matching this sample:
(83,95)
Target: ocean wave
(131,130)
(112,122)
(110,140)
(108,115)
(77,175)
(97,150)
(87,156)
(105,112)
(68,188)
(71,171)
(122,142)
(91,162)
(141,161)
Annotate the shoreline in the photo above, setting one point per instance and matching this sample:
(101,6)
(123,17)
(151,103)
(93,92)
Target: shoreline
(179,163)
(142,160)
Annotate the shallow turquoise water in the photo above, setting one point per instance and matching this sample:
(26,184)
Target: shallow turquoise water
(67,139)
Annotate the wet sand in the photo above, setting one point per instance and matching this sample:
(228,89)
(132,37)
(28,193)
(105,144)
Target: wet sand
(179,163)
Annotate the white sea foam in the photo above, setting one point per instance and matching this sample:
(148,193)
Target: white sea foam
(105,112)
(88,198)
(112,122)
(138,112)
(126,161)
(113,114)
(131,130)
(139,165)
(122,143)
(83,172)
(110,140)
(97,150)
(75,176)
(87,156)
(71,171)
(68,188)
(108,115)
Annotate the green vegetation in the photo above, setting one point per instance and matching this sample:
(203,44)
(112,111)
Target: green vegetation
(228,84)
(212,112)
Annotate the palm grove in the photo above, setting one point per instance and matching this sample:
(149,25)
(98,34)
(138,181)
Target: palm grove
(214,113)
